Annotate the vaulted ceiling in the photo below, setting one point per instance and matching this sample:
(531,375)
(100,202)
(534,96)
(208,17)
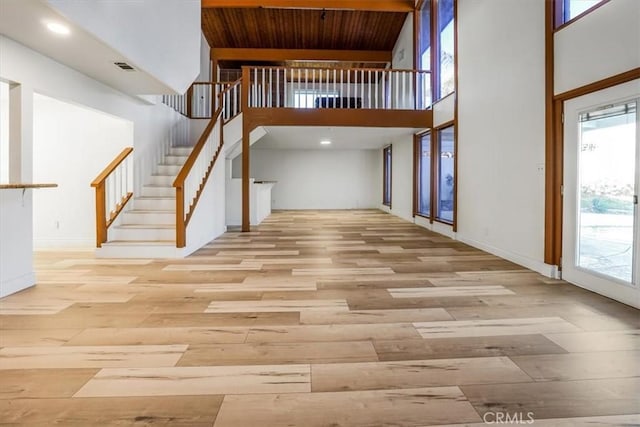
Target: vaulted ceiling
(301,28)
(347,25)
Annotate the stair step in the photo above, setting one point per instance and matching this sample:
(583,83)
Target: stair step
(149,216)
(159,249)
(154,203)
(134,232)
(180,151)
(174,160)
(161,180)
(158,191)
(172,170)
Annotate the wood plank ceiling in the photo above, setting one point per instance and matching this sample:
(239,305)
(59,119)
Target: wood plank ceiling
(270,28)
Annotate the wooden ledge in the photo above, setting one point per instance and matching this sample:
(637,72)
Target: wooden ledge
(24,186)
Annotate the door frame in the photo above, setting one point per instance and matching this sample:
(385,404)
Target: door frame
(599,283)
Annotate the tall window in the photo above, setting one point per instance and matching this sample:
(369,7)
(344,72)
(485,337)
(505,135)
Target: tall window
(386,165)
(424,52)
(445,177)
(569,9)
(446,53)
(423,178)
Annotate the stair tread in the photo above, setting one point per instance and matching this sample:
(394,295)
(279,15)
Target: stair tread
(147,226)
(140,243)
(154,198)
(145,211)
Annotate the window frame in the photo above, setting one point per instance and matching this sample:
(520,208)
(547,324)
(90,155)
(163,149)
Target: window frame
(418,173)
(435,45)
(436,175)
(559,8)
(387,175)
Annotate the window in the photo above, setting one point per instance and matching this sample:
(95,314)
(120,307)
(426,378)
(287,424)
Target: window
(386,165)
(445,178)
(424,52)
(423,178)
(446,53)
(566,10)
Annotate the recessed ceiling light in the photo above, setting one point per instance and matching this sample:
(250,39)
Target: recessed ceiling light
(325,142)
(58,28)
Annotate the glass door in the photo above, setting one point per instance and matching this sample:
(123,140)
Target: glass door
(600,243)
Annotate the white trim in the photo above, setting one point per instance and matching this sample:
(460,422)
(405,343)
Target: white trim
(17,284)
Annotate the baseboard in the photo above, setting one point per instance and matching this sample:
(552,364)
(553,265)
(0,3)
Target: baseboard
(17,284)
(532,264)
(64,243)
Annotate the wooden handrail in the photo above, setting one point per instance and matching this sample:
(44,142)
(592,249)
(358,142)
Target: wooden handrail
(111,167)
(280,67)
(102,223)
(182,220)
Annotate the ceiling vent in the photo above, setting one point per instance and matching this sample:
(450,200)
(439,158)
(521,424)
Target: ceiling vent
(124,66)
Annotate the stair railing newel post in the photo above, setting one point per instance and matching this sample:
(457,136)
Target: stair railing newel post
(106,215)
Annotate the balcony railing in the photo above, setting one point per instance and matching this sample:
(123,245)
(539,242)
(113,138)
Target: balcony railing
(362,88)
(203,98)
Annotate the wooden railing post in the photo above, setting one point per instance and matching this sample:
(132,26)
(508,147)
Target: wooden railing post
(246,185)
(181,229)
(101,219)
(190,101)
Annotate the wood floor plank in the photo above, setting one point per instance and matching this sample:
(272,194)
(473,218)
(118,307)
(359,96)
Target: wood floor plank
(373,316)
(605,421)
(340,271)
(321,333)
(189,381)
(89,356)
(474,328)
(278,353)
(452,291)
(159,336)
(558,399)
(276,306)
(581,366)
(438,348)
(43,383)
(415,374)
(598,341)
(36,337)
(157,411)
(408,407)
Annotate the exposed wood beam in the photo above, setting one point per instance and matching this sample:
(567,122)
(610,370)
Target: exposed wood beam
(368,5)
(241,54)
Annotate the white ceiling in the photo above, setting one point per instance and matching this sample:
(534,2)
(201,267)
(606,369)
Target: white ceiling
(342,138)
(25,22)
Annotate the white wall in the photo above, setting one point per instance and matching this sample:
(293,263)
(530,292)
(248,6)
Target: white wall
(601,44)
(205,60)
(403,50)
(16,250)
(167,46)
(4,132)
(501,128)
(67,135)
(319,179)
(401,178)
(208,220)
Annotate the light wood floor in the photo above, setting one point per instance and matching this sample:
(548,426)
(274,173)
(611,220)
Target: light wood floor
(328,318)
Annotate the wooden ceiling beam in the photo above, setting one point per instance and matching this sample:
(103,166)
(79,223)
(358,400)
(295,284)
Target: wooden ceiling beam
(242,54)
(367,5)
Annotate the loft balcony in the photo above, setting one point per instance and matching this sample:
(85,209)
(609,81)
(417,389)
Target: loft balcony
(286,96)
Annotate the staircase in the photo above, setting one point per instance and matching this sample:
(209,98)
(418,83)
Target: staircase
(148,230)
